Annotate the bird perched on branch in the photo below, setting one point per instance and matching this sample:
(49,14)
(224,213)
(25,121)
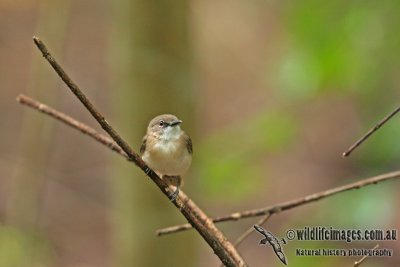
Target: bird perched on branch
(167,150)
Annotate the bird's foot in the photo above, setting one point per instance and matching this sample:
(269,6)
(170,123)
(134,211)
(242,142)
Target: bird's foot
(174,180)
(147,171)
(173,196)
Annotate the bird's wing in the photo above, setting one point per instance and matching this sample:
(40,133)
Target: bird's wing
(189,144)
(143,146)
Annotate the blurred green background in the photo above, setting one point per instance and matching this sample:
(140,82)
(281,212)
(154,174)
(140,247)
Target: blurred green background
(272,93)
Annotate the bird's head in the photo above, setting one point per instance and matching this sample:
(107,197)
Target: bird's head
(165,127)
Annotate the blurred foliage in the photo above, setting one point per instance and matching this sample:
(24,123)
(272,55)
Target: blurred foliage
(356,207)
(348,48)
(340,46)
(19,248)
(232,157)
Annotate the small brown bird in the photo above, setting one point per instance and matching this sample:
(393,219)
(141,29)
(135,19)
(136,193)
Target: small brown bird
(167,149)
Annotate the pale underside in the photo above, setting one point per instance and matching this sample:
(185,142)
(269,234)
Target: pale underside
(168,155)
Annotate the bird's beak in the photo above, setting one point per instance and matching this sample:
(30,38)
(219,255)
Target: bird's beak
(175,122)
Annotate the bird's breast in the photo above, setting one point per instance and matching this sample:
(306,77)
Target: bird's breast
(168,157)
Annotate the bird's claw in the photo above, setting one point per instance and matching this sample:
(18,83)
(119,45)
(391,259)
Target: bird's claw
(173,196)
(147,170)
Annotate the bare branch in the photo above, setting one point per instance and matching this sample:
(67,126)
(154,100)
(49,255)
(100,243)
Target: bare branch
(85,129)
(357,263)
(288,204)
(195,216)
(369,133)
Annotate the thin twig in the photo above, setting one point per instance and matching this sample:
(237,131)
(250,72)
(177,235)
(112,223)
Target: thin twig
(195,216)
(288,204)
(357,263)
(370,132)
(251,230)
(85,129)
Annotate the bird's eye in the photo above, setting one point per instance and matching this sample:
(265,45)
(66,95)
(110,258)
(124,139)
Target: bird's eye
(161,123)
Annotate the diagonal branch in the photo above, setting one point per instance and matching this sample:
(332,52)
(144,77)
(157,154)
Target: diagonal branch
(195,216)
(370,132)
(289,204)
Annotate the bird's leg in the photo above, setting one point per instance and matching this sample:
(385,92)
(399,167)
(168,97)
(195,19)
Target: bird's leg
(174,181)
